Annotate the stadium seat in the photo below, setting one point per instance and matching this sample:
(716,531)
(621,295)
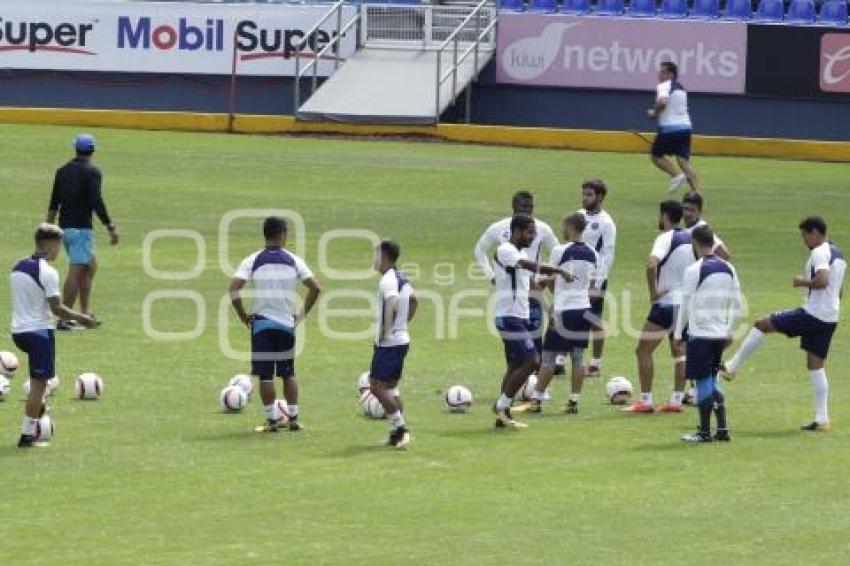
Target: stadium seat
(770,11)
(610,8)
(543,6)
(575,7)
(705,9)
(512,5)
(801,12)
(738,10)
(642,8)
(674,9)
(834,13)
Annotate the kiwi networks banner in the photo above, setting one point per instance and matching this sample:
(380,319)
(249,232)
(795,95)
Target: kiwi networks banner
(619,53)
(147,37)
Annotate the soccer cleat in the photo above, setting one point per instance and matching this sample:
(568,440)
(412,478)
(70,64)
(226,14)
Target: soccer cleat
(815,426)
(722,436)
(639,407)
(571,408)
(270,425)
(670,408)
(725,373)
(534,406)
(676,183)
(698,437)
(31,441)
(293,424)
(399,438)
(68,326)
(592,371)
(504,419)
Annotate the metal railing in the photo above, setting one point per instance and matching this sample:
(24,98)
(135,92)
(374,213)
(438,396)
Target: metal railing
(398,25)
(480,25)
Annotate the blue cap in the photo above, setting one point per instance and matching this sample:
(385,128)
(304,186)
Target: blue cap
(84,142)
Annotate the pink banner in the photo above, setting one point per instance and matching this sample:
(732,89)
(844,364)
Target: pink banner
(619,53)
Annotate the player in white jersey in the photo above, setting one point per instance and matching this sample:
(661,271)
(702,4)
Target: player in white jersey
(274,273)
(671,254)
(674,128)
(35,299)
(512,278)
(500,232)
(711,303)
(570,322)
(396,307)
(814,323)
(601,235)
(692,205)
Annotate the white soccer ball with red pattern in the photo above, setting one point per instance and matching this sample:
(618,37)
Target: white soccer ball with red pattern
(8,364)
(619,390)
(372,408)
(458,399)
(5,387)
(233,399)
(44,429)
(243,382)
(88,386)
(526,392)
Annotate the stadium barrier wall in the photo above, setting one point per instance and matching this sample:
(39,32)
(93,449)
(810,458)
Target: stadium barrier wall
(555,138)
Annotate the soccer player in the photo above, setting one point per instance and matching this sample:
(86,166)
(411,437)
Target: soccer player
(35,297)
(601,235)
(814,323)
(274,273)
(674,128)
(513,279)
(397,305)
(569,326)
(76,196)
(692,205)
(711,302)
(500,232)
(671,254)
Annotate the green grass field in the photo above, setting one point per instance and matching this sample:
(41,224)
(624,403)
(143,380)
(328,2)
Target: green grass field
(154,473)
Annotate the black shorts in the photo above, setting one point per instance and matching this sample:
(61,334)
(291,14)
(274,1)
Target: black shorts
(388,362)
(40,348)
(672,143)
(663,316)
(704,357)
(568,331)
(815,334)
(272,352)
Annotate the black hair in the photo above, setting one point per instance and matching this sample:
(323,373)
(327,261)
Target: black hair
(671,67)
(812,223)
(85,152)
(521,222)
(703,235)
(391,249)
(521,195)
(274,227)
(577,220)
(672,209)
(598,186)
(693,198)
(46,232)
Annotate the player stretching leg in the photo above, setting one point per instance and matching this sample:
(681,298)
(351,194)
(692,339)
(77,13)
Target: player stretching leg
(601,235)
(274,272)
(35,297)
(711,302)
(513,272)
(397,306)
(671,254)
(570,324)
(814,323)
(674,129)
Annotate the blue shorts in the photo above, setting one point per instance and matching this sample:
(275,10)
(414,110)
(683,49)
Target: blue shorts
(597,304)
(815,334)
(517,338)
(535,323)
(704,357)
(40,347)
(272,349)
(672,143)
(663,316)
(388,362)
(79,244)
(568,331)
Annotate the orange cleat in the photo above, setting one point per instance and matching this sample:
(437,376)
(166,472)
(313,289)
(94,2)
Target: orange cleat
(670,408)
(639,407)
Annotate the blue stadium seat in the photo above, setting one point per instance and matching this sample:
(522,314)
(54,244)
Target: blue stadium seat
(801,12)
(834,13)
(674,9)
(610,8)
(739,10)
(770,11)
(512,5)
(705,10)
(543,6)
(575,7)
(642,8)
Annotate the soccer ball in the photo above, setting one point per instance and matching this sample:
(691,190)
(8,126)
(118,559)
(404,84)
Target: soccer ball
(8,364)
(363,382)
(526,392)
(280,406)
(372,408)
(243,382)
(5,387)
(458,399)
(88,386)
(44,428)
(619,390)
(233,399)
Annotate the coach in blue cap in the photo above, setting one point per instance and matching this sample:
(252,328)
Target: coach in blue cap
(76,196)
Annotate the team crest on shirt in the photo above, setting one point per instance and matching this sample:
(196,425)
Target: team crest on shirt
(506,235)
(595,225)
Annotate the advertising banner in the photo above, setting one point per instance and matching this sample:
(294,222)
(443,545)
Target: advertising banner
(619,53)
(162,37)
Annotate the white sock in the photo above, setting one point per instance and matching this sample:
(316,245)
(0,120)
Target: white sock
(575,397)
(271,412)
(538,395)
(397,419)
(504,402)
(646,398)
(747,349)
(292,411)
(595,362)
(29,426)
(820,388)
(677,397)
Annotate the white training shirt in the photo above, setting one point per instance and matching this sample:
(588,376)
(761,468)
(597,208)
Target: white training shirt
(512,282)
(674,253)
(711,300)
(601,235)
(825,304)
(500,232)
(393,284)
(274,273)
(717,241)
(674,117)
(32,282)
(581,261)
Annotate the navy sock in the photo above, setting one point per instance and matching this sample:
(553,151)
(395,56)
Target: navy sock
(705,407)
(720,409)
